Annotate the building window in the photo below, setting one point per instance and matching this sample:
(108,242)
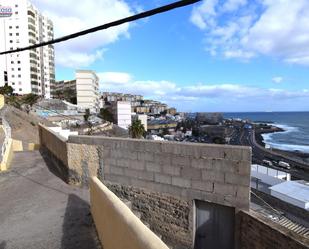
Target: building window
(12,69)
(12,62)
(11,41)
(19,76)
(16,5)
(11,48)
(13,76)
(10,27)
(20,89)
(16,12)
(17,27)
(19,69)
(11,34)
(17,34)
(13,83)
(18,62)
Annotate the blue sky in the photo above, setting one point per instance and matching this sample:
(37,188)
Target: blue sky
(218,55)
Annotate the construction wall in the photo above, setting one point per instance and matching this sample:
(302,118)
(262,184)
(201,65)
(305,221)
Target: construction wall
(257,232)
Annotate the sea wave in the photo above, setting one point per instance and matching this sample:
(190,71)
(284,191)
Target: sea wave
(286,128)
(270,141)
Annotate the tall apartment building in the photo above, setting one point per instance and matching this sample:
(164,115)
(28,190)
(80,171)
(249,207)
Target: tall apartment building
(31,71)
(87,90)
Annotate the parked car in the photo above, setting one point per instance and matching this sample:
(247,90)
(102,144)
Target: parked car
(284,165)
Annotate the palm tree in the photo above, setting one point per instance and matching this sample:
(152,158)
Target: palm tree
(137,129)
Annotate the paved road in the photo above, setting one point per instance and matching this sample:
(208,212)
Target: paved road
(40,211)
(259,153)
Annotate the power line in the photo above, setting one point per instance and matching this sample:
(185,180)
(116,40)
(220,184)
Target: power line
(145,14)
(267,204)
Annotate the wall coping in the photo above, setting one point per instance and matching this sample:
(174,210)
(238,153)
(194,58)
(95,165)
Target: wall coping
(86,139)
(133,230)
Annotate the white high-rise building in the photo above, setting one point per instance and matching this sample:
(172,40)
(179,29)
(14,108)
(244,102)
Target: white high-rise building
(30,71)
(87,90)
(121,111)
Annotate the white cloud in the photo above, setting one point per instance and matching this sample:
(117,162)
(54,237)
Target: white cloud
(197,94)
(114,77)
(203,15)
(277,79)
(241,29)
(70,16)
(231,5)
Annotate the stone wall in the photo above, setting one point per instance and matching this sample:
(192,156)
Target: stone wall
(295,213)
(167,216)
(215,173)
(257,232)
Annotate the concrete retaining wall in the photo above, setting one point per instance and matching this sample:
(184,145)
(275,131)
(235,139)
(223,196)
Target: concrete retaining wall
(160,178)
(116,225)
(257,232)
(55,144)
(215,173)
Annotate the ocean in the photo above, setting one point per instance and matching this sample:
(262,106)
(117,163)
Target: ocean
(296,126)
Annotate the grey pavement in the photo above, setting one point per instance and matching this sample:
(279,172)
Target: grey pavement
(39,210)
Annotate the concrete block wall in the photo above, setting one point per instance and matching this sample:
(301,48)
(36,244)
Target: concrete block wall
(215,173)
(54,144)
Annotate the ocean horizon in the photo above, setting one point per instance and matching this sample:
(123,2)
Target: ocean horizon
(295,136)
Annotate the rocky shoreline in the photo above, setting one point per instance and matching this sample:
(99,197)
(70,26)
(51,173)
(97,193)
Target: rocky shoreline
(298,155)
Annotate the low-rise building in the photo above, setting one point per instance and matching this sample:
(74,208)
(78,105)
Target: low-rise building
(158,126)
(293,192)
(63,85)
(142,118)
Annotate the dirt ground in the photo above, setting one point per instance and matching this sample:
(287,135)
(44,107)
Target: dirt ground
(24,126)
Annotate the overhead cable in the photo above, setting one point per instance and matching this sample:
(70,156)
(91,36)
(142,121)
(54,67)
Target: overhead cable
(138,16)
